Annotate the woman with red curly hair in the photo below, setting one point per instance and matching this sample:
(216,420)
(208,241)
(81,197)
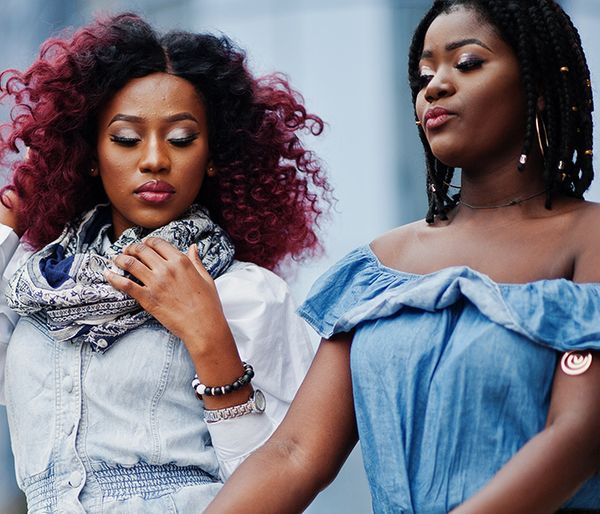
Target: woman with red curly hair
(161,183)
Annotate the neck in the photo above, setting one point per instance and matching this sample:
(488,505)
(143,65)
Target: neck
(502,186)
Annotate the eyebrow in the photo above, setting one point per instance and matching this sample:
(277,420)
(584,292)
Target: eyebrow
(427,54)
(180,116)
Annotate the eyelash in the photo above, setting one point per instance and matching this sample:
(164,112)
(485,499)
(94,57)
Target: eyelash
(183,141)
(132,141)
(124,141)
(423,80)
(464,66)
(469,64)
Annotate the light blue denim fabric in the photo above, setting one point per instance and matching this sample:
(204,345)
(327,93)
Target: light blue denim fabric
(83,443)
(452,373)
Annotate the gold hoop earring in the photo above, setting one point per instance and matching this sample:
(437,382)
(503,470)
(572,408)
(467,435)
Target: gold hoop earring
(542,135)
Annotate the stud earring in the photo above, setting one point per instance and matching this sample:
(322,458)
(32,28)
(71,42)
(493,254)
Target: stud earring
(93,171)
(210,171)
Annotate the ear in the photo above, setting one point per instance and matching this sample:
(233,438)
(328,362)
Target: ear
(94,168)
(210,169)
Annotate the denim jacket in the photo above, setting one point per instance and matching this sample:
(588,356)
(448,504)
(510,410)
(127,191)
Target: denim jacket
(123,431)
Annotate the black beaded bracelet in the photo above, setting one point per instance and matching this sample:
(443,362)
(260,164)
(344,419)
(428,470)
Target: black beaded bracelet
(202,389)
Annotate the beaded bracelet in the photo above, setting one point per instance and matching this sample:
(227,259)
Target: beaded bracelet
(202,389)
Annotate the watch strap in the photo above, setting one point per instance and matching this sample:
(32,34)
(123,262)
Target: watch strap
(254,405)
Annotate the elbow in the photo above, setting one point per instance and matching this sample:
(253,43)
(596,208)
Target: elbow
(581,433)
(302,462)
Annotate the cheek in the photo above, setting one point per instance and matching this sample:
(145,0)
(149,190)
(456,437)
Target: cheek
(190,181)
(114,161)
(420,105)
(113,176)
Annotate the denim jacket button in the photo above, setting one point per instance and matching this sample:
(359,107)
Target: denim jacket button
(75,479)
(68,383)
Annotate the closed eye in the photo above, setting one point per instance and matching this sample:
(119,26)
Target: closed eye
(469,64)
(125,141)
(183,141)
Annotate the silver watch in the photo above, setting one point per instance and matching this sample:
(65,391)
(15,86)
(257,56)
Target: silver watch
(255,405)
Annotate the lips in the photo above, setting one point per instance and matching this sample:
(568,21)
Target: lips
(155,191)
(436,117)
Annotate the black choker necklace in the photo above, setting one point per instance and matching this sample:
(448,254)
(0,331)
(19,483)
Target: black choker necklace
(510,203)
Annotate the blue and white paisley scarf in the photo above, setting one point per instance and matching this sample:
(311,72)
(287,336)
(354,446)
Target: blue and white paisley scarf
(63,284)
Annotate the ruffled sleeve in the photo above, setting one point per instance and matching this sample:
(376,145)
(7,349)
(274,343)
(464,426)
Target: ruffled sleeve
(335,302)
(562,314)
(556,313)
(270,336)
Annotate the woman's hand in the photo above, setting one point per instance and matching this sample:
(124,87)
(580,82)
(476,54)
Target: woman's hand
(178,291)
(175,288)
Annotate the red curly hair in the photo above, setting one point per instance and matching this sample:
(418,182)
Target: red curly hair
(269,192)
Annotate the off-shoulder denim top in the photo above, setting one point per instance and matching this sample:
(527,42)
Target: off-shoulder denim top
(452,372)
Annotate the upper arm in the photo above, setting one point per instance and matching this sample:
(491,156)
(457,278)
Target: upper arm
(575,402)
(320,428)
(575,407)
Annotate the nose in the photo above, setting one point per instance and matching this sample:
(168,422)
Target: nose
(154,157)
(439,86)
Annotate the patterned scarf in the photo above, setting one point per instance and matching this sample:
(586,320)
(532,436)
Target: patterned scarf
(63,284)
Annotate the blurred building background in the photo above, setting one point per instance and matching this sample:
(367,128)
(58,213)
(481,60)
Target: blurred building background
(348,58)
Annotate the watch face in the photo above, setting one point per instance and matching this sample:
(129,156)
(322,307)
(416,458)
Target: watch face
(260,401)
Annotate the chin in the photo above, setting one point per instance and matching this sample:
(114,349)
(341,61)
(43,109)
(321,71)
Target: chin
(448,154)
(152,224)
(448,159)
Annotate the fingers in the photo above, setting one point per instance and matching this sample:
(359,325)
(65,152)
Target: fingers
(151,255)
(133,266)
(193,256)
(155,257)
(9,203)
(145,254)
(166,250)
(124,284)
(10,198)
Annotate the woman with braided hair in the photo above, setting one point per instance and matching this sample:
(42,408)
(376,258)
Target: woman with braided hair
(161,183)
(463,349)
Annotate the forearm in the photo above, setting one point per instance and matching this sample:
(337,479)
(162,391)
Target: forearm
(217,363)
(307,450)
(274,479)
(542,476)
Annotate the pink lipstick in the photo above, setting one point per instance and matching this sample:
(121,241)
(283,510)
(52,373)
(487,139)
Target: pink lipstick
(436,117)
(155,191)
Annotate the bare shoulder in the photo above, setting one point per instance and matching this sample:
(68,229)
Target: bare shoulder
(585,238)
(586,224)
(390,245)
